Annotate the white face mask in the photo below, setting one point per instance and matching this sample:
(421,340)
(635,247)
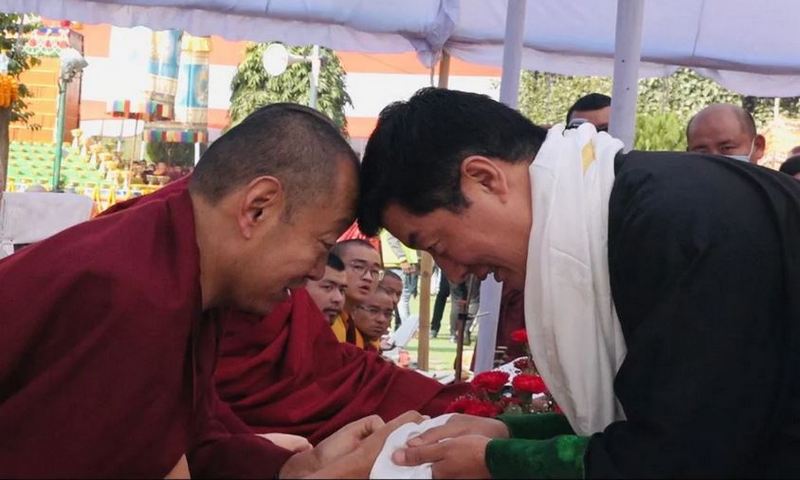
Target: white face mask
(744,158)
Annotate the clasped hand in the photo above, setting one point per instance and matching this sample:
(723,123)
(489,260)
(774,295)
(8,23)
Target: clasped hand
(456,449)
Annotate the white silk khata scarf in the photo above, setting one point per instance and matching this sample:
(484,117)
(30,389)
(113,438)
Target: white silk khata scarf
(573,329)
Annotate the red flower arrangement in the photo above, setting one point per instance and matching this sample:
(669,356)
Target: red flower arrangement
(525,382)
(474,406)
(492,395)
(491,382)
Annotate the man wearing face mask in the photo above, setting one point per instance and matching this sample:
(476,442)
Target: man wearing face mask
(724,129)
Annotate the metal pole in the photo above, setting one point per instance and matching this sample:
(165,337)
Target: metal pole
(512,52)
(627,57)
(315,68)
(60,120)
(444,70)
(489,315)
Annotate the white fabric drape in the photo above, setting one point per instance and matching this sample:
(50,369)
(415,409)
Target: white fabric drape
(574,333)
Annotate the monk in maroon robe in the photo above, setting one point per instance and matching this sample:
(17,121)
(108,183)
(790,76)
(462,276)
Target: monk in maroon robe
(287,372)
(110,328)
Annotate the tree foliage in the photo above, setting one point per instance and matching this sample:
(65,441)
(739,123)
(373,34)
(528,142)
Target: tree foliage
(12,29)
(252,87)
(546,97)
(664,107)
(173,154)
(660,131)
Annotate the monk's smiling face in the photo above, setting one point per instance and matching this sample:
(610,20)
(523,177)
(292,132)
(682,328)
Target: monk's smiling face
(287,245)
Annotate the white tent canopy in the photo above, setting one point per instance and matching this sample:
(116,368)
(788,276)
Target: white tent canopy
(747,46)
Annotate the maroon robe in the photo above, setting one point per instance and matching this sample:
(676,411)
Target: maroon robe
(288,373)
(106,358)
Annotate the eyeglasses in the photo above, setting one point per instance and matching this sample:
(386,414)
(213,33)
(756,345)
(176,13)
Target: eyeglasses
(361,268)
(577,122)
(377,311)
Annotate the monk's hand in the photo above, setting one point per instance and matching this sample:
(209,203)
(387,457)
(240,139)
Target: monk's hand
(357,461)
(347,439)
(293,443)
(459,425)
(461,457)
(342,442)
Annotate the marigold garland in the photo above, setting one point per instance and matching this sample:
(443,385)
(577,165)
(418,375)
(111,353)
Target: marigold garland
(9,90)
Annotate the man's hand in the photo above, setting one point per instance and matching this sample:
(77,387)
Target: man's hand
(460,425)
(461,457)
(406,267)
(293,443)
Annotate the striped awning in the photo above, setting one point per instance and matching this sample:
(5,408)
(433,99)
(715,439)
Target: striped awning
(175,134)
(147,110)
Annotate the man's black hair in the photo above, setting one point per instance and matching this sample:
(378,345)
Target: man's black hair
(335,262)
(791,166)
(414,156)
(295,144)
(589,103)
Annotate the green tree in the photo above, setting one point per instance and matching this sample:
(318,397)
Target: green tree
(13,29)
(173,154)
(252,87)
(546,97)
(664,106)
(660,131)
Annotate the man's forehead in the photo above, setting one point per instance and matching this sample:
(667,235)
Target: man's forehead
(363,253)
(390,279)
(716,122)
(405,226)
(334,276)
(380,300)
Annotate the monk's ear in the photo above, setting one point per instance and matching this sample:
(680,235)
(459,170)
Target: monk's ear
(261,203)
(481,174)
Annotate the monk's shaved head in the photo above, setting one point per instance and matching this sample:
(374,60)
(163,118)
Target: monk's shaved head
(716,111)
(723,129)
(282,140)
(342,248)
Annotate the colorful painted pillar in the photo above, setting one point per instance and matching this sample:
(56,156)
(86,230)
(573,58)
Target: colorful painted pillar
(163,69)
(191,101)
(165,53)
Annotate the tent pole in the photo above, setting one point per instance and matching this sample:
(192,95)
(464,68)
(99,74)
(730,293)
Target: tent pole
(512,52)
(627,57)
(444,70)
(491,290)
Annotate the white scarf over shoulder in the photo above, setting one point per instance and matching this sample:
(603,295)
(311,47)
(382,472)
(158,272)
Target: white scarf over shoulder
(574,332)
